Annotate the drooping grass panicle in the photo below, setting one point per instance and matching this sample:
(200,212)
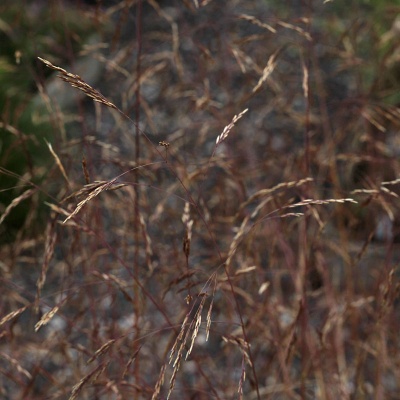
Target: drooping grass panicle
(77,82)
(99,189)
(276,188)
(182,339)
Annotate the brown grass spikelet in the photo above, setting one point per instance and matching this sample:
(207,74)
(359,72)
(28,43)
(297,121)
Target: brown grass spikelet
(57,209)
(188,230)
(295,28)
(229,127)
(77,82)
(177,363)
(209,312)
(159,383)
(14,131)
(257,22)
(183,338)
(58,162)
(245,270)
(269,68)
(243,60)
(46,318)
(394,182)
(305,78)
(197,324)
(379,196)
(241,383)
(278,187)
(17,365)
(310,202)
(51,237)
(102,350)
(12,315)
(208,326)
(335,318)
(389,192)
(91,375)
(244,348)
(28,193)
(179,338)
(235,242)
(87,189)
(118,282)
(186,214)
(174,373)
(130,361)
(286,215)
(263,287)
(99,187)
(148,243)
(241,343)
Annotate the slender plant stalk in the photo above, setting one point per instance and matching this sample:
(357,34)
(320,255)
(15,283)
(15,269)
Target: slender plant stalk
(137,225)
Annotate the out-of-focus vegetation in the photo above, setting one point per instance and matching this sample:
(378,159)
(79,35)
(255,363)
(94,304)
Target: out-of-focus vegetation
(221,222)
(28,29)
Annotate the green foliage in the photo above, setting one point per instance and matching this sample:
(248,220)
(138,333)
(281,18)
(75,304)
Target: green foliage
(27,31)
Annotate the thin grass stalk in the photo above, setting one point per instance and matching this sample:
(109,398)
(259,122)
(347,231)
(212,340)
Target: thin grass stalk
(138,228)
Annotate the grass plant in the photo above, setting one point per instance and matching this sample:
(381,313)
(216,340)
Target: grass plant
(222,207)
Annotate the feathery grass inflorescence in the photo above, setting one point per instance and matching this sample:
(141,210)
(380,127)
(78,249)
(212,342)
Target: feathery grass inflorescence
(77,82)
(228,128)
(182,340)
